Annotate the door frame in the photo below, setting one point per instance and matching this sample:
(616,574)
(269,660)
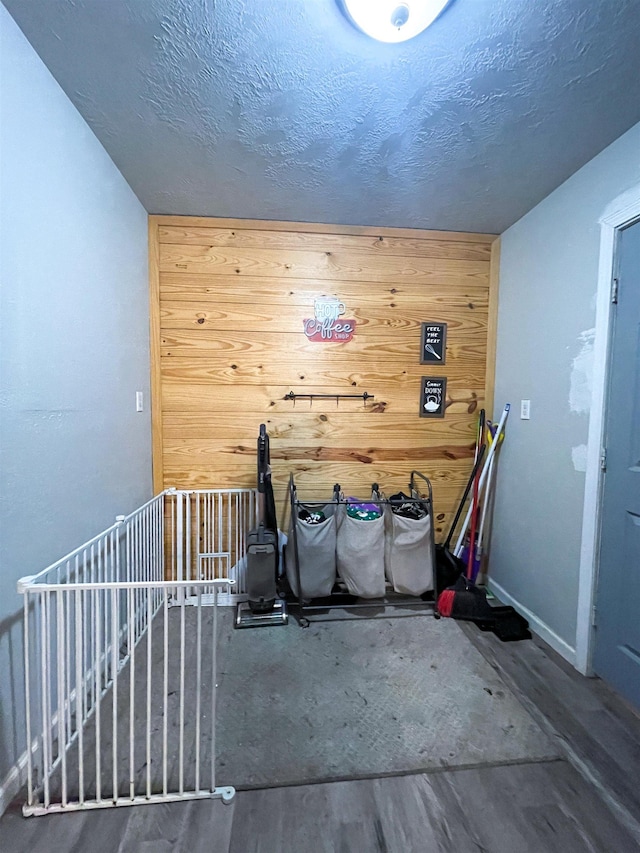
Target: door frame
(622,211)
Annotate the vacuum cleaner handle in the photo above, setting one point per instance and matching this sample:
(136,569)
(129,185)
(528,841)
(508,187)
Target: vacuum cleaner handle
(263,458)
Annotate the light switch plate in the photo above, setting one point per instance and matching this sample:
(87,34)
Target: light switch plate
(139,401)
(525,410)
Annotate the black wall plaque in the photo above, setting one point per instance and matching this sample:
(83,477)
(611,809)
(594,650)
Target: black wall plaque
(433,346)
(433,396)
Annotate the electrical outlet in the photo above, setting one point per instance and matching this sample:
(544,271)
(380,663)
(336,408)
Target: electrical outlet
(525,410)
(139,401)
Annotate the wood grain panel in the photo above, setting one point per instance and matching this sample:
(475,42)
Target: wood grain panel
(311,426)
(355,478)
(155,360)
(253,290)
(492,328)
(207,451)
(307,375)
(207,342)
(231,299)
(264,399)
(318,228)
(327,266)
(243,238)
(371,320)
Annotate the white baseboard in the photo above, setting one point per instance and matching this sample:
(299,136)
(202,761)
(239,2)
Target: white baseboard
(541,629)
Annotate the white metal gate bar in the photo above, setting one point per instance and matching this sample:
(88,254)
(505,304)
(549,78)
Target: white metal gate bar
(211,527)
(85,619)
(81,766)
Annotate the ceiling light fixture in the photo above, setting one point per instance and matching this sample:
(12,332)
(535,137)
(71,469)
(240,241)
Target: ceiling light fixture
(391,20)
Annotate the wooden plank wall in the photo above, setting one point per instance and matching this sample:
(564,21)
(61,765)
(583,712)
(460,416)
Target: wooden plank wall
(228,300)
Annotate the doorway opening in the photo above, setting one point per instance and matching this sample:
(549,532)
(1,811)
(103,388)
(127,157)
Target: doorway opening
(620,214)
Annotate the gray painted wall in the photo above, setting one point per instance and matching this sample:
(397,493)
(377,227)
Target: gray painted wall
(548,282)
(74,344)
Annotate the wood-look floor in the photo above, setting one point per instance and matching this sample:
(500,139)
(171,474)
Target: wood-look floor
(587,801)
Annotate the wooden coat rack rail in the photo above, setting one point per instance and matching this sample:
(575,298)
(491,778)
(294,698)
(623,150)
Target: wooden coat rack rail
(337,397)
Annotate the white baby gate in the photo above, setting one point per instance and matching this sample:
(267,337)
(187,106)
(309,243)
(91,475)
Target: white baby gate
(120,673)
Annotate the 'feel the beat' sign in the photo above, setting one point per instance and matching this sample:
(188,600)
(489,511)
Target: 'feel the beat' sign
(328,325)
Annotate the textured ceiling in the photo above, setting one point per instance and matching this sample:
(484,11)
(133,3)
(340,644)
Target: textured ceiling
(280,109)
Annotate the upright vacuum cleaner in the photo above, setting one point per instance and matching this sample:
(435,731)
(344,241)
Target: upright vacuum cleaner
(264,607)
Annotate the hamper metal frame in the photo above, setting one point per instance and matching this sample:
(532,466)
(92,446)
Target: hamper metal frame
(306,609)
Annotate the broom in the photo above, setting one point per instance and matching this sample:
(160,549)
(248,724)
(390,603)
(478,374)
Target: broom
(464,600)
(448,566)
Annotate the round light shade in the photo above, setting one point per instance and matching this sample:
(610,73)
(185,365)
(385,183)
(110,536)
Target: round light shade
(393,20)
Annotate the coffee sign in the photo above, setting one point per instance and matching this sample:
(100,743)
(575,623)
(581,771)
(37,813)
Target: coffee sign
(327,325)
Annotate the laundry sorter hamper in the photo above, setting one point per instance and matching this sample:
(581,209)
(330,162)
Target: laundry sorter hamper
(361,554)
(409,557)
(360,545)
(310,553)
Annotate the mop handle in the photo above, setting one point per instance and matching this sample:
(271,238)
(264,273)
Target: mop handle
(455,521)
(485,504)
(483,476)
(474,521)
